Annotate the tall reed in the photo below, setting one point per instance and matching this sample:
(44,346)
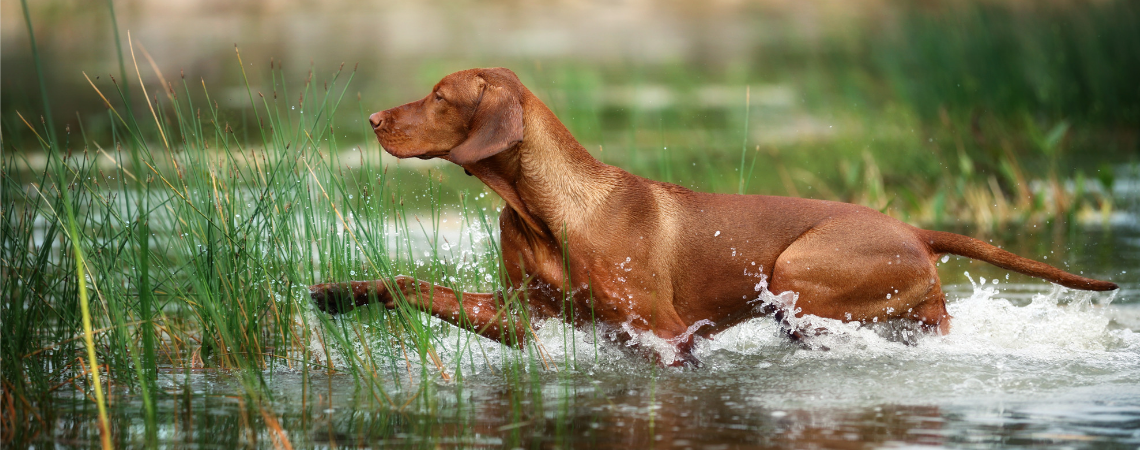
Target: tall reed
(199,245)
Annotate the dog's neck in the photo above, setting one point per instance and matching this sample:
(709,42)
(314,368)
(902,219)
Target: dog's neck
(558,179)
(550,179)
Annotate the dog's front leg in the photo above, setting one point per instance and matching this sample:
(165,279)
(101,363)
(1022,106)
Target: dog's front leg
(482,313)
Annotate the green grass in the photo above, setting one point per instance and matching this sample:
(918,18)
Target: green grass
(197,247)
(206,253)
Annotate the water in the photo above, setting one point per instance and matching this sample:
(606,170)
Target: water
(1025,365)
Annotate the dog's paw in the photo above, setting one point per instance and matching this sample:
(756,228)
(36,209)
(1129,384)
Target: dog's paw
(686,360)
(336,298)
(332,298)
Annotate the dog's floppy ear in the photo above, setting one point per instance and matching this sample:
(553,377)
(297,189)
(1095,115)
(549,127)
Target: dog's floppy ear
(496,125)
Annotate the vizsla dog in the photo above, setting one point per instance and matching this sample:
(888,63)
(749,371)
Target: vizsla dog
(649,257)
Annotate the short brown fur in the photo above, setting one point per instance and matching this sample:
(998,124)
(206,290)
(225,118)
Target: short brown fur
(653,256)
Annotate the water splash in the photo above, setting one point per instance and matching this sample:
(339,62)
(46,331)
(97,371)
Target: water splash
(996,347)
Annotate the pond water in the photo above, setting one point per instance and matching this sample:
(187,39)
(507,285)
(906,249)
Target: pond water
(1026,365)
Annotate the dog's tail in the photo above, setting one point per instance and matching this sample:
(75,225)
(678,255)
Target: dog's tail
(943,242)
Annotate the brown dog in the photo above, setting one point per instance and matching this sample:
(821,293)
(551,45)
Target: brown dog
(646,256)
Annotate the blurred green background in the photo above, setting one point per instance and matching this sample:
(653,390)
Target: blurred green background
(943,112)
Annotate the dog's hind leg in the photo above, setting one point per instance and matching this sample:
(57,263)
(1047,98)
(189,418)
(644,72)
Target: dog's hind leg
(882,275)
(931,313)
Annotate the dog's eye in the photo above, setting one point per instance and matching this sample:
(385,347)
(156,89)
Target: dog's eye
(438,98)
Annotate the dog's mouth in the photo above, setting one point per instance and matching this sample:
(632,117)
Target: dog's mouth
(394,140)
(395,149)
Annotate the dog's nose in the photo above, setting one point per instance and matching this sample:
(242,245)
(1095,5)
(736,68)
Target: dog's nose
(377,118)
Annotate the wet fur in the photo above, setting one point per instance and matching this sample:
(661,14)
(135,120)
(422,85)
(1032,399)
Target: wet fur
(653,256)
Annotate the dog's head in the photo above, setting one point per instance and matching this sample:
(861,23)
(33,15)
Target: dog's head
(469,115)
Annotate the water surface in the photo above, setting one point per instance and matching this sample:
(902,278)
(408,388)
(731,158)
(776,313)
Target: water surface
(1026,364)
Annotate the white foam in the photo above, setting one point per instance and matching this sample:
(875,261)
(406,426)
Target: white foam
(1058,329)
(1052,324)
(1061,340)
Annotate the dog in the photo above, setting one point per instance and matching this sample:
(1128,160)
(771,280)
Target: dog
(592,243)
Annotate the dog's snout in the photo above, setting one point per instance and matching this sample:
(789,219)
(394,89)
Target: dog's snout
(377,119)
